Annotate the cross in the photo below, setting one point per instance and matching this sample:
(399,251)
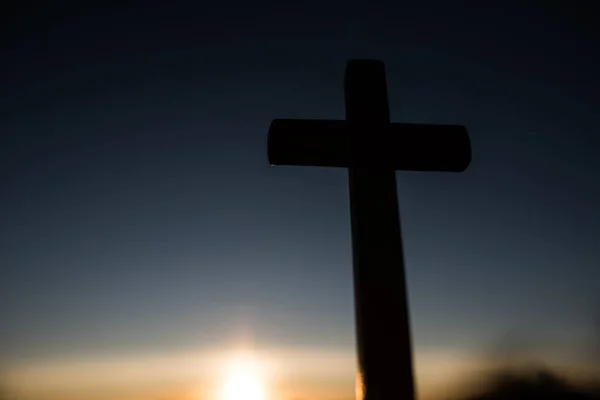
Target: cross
(372,149)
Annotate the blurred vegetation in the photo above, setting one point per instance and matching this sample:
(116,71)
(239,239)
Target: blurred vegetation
(520,373)
(538,384)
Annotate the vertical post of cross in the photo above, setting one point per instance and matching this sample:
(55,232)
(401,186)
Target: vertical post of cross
(381,305)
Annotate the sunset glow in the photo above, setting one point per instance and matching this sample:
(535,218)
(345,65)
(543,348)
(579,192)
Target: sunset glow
(244,377)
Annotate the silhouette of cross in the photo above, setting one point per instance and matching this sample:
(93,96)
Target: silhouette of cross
(372,149)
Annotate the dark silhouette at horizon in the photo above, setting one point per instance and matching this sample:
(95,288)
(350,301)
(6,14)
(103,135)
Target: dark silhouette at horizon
(537,384)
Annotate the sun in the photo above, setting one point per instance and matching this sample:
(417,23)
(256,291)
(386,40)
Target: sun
(244,379)
(243,387)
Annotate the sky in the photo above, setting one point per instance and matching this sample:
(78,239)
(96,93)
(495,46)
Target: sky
(142,230)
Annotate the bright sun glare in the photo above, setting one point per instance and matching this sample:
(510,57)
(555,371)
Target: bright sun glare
(244,379)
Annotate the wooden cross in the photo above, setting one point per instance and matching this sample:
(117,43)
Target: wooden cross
(372,149)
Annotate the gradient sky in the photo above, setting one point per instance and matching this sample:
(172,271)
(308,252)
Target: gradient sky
(139,215)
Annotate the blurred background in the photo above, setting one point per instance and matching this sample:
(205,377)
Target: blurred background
(148,251)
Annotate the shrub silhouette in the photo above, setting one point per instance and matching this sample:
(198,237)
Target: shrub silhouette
(541,384)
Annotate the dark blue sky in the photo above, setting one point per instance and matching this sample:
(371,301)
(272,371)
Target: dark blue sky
(138,210)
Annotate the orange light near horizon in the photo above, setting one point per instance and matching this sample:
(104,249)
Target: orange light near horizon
(243,377)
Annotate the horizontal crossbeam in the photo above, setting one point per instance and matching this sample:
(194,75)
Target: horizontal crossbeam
(406,147)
